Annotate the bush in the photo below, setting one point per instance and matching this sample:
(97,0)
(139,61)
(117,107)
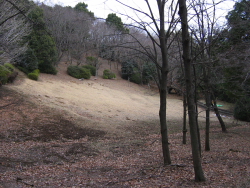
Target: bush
(242,109)
(91,68)
(27,62)
(74,71)
(91,60)
(85,73)
(47,68)
(34,75)
(136,78)
(23,70)
(9,66)
(4,73)
(107,74)
(79,72)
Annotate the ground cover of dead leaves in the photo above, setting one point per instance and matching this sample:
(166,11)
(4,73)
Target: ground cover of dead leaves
(53,152)
(41,147)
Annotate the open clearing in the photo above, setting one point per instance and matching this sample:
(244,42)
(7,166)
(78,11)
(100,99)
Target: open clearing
(64,132)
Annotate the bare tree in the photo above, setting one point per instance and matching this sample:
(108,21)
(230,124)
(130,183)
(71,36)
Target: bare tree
(13,27)
(199,175)
(70,28)
(203,33)
(161,40)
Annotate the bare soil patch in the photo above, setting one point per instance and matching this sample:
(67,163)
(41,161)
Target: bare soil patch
(63,132)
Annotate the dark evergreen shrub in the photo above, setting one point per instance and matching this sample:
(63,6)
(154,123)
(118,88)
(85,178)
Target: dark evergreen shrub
(27,62)
(9,66)
(42,42)
(136,78)
(4,73)
(23,70)
(79,72)
(85,73)
(91,68)
(47,68)
(242,109)
(107,74)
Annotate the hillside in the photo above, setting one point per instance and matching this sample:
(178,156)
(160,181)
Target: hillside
(63,132)
(109,102)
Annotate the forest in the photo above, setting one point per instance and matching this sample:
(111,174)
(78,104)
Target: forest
(181,49)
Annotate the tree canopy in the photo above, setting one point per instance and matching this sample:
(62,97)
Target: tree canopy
(41,41)
(239,22)
(84,7)
(116,22)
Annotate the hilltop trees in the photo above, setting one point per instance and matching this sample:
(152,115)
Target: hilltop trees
(13,27)
(232,49)
(115,21)
(84,8)
(27,42)
(238,21)
(41,41)
(70,28)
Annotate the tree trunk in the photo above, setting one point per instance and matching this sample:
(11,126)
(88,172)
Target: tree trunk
(199,175)
(216,110)
(206,73)
(163,85)
(184,130)
(196,106)
(208,104)
(163,121)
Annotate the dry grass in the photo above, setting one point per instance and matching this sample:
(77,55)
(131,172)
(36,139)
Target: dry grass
(63,132)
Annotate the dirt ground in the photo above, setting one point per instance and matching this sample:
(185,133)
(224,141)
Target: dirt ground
(63,132)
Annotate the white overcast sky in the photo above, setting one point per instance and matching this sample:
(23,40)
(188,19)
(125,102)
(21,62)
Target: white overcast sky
(102,8)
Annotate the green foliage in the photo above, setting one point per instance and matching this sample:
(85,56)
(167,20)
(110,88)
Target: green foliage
(74,71)
(116,22)
(92,60)
(27,62)
(23,70)
(34,75)
(85,73)
(242,109)
(91,68)
(139,75)
(42,43)
(136,76)
(238,20)
(47,68)
(107,74)
(230,87)
(84,8)
(128,69)
(79,72)
(4,73)
(149,72)
(9,66)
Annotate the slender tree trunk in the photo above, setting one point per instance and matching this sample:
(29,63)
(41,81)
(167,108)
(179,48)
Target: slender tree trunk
(163,120)
(196,107)
(163,85)
(216,110)
(199,175)
(184,130)
(208,104)
(206,72)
